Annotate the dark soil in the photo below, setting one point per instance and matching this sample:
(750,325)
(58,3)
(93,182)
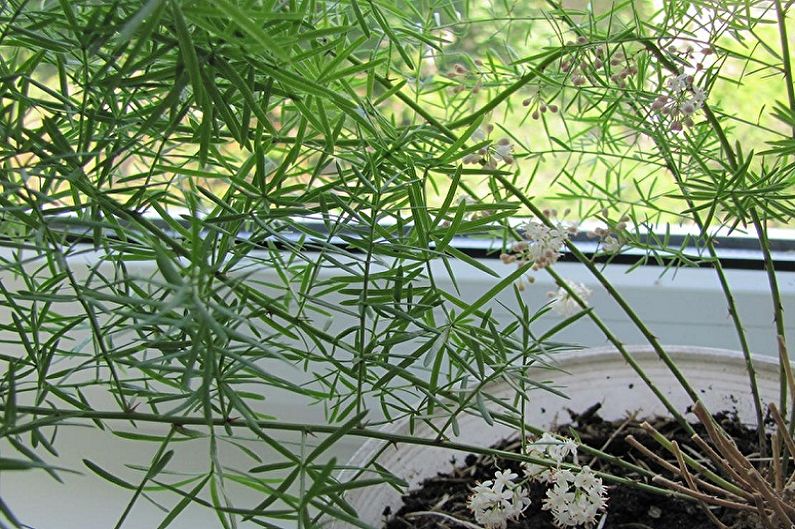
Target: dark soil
(628,507)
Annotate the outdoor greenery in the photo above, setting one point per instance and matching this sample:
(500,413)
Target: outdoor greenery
(344,147)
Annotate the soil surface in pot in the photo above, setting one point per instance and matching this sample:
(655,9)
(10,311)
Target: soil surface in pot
(628,507)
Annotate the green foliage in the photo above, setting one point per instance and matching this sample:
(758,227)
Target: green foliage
(328,143)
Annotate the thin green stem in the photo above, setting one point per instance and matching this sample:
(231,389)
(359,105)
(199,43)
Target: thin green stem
(618,344)
(619,299)
(505,94)
(789,81)
(726,146)
(309,429)
(764,245)
(781,16)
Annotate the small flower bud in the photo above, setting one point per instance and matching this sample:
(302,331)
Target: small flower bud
(535,114)
(676,126)
(526,102)
(582,40)
(460,69)
(553,108)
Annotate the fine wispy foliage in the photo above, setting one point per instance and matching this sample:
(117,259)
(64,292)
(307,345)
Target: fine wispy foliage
(346,148)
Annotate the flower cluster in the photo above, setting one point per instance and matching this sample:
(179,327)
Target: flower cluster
(498,501)
(575,498)
(611,239)
(687,52)
(549,448)
(491,155)
(537,105)
(681,102)
(542,244)
(600,58)
(564,303)
(467,80)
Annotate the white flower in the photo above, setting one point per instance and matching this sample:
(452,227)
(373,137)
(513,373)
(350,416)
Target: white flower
(545,242)
(504,479)
(565,304)
(555,450)
(699,97)
(611,244)
(504,150)
(576,501)
(498,501)
(681,102)
(574,497)
(562,478)
(678,84)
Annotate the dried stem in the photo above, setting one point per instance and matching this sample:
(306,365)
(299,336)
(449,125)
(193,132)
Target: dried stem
(675,470)
(706,498)
(660,438)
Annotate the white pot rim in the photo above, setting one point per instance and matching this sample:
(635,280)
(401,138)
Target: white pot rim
(599,371)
